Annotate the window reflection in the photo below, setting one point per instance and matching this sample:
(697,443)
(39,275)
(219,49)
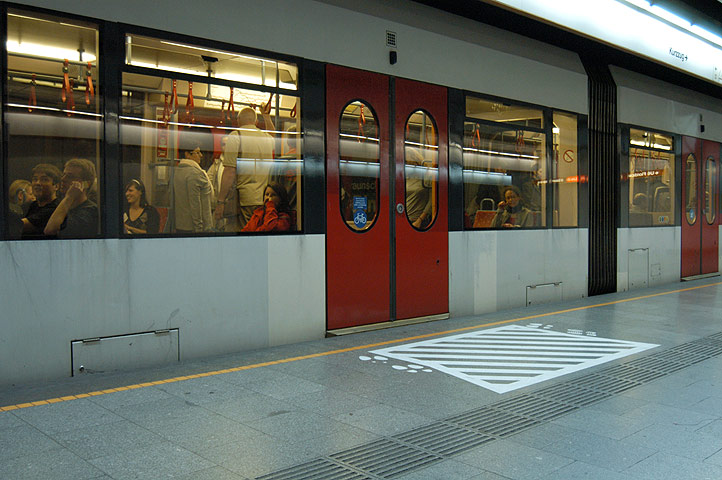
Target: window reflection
(690,201)
(231,142)
(54,126)
(359,166)
(710,188)
(496,159)
(565,170)
(651,177)
(421,170)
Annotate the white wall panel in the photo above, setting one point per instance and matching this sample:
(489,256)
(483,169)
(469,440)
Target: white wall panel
(490,270)
(433,46)
(664,244)
(223,294)
(651,103)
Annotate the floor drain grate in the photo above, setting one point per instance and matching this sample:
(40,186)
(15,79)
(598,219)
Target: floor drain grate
(656,364)
(316,470)
(534,407)
(493,422)
(703,346)
(691,353)
(444,439)
(604,384)
(716,336)
(571,394)
(631,373)
(680,357)
(385,458)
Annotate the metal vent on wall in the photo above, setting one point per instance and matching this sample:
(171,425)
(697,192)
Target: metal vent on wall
(390,39)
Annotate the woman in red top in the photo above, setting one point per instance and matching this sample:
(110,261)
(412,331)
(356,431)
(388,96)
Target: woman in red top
(273,216)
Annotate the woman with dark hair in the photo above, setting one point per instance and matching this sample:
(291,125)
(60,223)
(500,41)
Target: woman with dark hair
(138,215)
(511,213)
(273,216)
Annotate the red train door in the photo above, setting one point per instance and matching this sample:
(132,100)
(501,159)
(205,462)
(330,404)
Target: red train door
(700,161)
(383,260)
(422,240)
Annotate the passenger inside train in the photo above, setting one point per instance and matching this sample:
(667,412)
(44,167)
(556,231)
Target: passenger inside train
(274,215)
(76,215)
(46,182)
(139,217)
(511,213)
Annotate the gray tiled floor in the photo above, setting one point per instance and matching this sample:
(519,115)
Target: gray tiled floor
(254,422)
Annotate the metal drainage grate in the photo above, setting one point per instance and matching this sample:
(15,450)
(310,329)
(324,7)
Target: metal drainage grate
(385,458)
(701,347)
(656,364)
(534,407)
(604,384)
(631,373)
(444,439)
(316,470)
(572,394)
(493,422)
(715,336)
(680,357)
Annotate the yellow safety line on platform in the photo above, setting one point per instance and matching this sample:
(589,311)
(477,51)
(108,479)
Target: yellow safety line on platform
(334,352)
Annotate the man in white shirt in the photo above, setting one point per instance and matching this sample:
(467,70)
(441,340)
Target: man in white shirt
(247,161)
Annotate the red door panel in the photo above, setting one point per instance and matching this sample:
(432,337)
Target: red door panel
(422,254)
(691,235)
(708,165)
(357,262)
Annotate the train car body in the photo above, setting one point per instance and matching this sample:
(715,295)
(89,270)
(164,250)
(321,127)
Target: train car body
(367,87)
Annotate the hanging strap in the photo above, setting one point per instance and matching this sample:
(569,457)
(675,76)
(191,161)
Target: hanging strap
(32,101)
(89,90)
(519,141)
(70,106)
(189,104)
(294,110)
(66,82)
(476,139)
(361,124)
(174,99)
(232,109)
(166,110)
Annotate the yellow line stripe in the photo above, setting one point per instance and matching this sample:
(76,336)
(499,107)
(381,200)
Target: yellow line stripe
(342,350)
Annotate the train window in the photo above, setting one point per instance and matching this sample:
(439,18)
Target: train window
(201,157)
(651,178)
(359,166)
(497,111)
(690,200)
(55,126)
(565,174)
(421,170)
(710,190)
(504,176)
(184,58)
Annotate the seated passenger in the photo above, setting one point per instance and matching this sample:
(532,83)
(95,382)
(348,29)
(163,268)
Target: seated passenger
(511,213)
(273,215)
(138,216)
(75,216)
(45,181)
(640,204)
(21,196)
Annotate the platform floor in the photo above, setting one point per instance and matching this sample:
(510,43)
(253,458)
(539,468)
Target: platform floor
(622,386)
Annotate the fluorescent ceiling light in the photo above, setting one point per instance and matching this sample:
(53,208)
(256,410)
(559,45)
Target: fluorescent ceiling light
(47,51)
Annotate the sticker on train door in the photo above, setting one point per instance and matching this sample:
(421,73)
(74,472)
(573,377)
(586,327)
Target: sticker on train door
(360,218)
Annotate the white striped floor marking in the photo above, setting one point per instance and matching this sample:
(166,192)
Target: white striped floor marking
(510,357)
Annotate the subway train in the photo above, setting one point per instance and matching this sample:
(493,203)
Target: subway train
(432,165)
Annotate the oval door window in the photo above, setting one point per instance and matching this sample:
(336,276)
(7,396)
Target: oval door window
(710,172)
(359,166)
(690,202)
(421,170)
